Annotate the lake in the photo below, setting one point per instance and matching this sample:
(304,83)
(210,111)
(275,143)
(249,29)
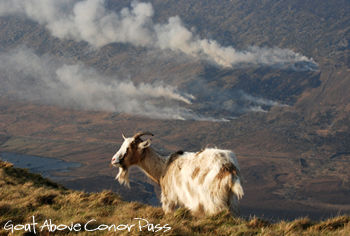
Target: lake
(41,165)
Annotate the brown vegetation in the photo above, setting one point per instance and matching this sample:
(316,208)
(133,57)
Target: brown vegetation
(27,197)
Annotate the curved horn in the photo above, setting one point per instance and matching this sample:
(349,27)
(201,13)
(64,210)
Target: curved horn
(138,135)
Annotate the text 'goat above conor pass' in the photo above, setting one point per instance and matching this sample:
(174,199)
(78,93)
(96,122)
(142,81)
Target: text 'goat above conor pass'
(205,182)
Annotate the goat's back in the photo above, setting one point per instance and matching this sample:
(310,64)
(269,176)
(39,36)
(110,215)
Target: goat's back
(208,181)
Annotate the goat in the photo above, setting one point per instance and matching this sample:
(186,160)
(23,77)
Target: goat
(205,182)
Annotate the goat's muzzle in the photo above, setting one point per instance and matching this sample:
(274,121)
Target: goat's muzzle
(115,162)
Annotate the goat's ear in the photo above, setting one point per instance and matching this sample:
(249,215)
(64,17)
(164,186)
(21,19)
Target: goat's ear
(145,144)
(123,136)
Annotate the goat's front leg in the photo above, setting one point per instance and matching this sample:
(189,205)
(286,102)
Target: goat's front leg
(168,205)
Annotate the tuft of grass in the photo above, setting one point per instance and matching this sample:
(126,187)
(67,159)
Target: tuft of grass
(182,214)
(333,224)
(258,223)
(298,225)
(25,196)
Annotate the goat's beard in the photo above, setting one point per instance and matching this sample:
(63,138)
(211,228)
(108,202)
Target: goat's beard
(123,176)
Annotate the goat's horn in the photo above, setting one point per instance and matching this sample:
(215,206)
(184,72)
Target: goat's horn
(138,135)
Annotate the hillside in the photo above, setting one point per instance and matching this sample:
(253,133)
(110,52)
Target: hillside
(28,200)
(318,100)
(286,118)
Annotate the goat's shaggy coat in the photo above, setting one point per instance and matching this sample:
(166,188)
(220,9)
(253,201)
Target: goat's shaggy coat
(205,182)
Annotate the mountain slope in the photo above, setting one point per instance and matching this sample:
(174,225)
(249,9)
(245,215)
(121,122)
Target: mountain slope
(32,204)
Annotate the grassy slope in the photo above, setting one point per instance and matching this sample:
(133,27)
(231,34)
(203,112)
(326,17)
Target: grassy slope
(24,195)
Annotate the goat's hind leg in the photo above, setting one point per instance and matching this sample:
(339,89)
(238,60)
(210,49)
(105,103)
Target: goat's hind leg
(234,208)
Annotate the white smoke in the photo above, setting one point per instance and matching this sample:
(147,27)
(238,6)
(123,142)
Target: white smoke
(90,21)
(257,109)
(260,101)
(42,79)
(230,103)
(47,80)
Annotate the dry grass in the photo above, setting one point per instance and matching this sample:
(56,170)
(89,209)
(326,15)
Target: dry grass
(25,196)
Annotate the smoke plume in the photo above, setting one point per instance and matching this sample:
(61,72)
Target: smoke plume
(90,21)
(43,79)
(47,80)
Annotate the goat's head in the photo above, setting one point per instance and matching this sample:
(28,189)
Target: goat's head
(130,153)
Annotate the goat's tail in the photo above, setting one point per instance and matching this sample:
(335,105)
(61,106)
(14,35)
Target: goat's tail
(237,188)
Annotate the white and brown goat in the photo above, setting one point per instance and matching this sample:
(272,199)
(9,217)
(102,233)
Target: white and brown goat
(205,182)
